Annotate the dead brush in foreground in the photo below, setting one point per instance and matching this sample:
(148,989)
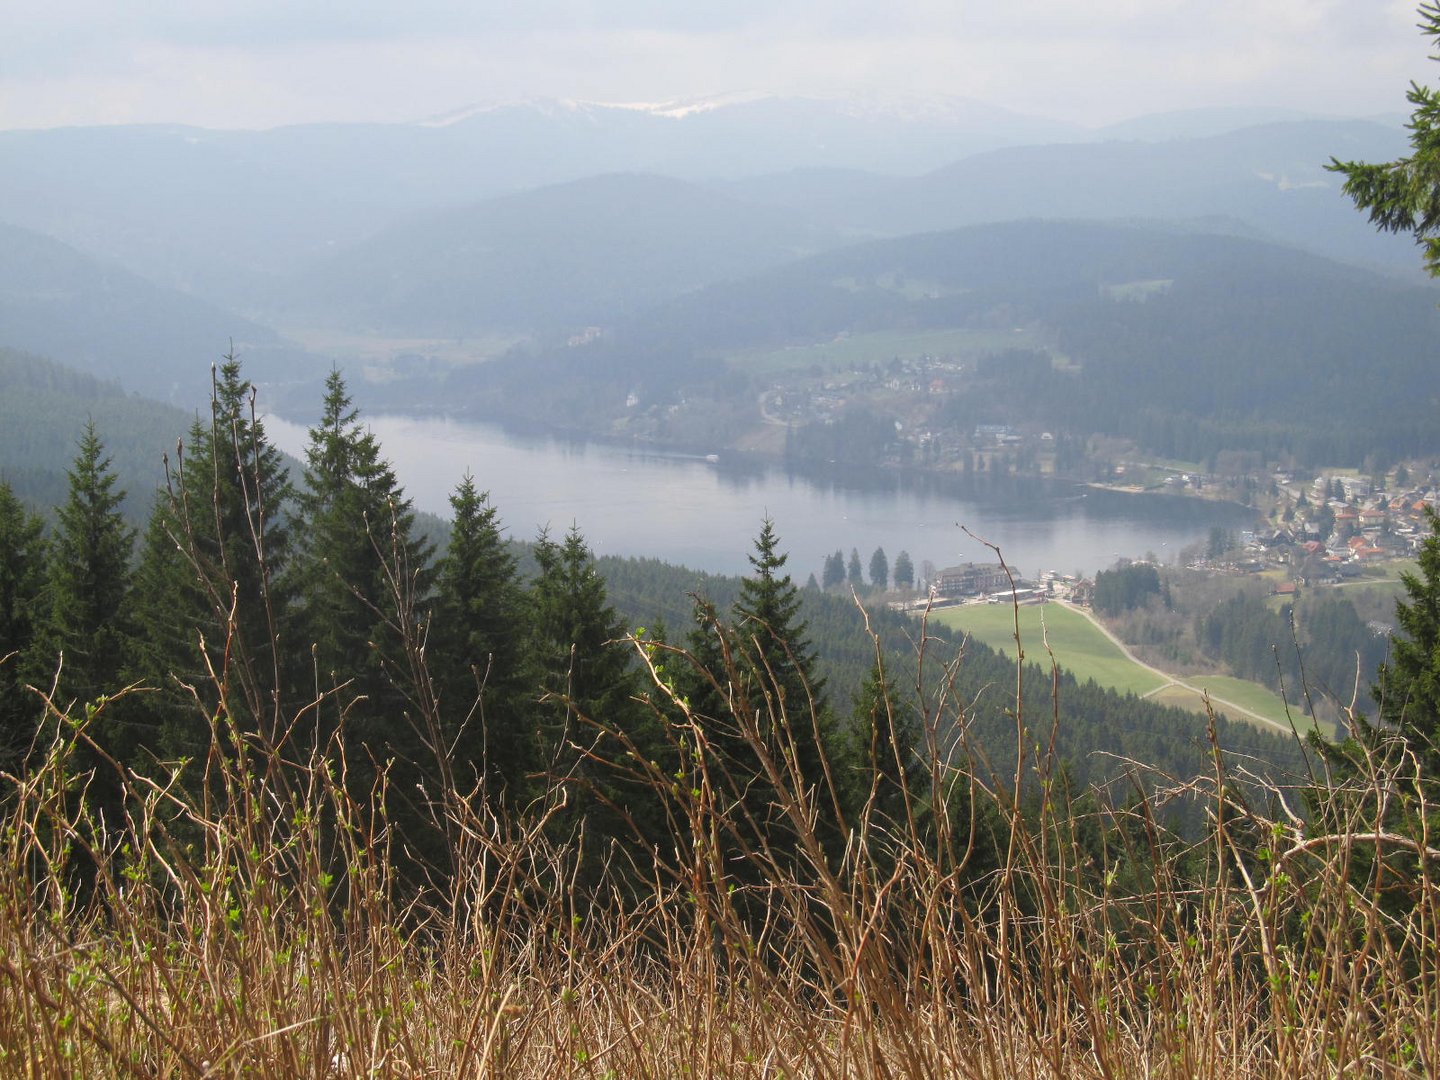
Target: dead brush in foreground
(259,927)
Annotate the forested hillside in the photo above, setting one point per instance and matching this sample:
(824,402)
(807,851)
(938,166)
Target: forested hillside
(107,321)
(299,778)
(1188,343)
(1266,181)
(43,410)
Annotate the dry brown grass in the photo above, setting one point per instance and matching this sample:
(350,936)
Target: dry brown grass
(257,929)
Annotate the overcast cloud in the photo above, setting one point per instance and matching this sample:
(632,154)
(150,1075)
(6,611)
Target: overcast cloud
(261,63)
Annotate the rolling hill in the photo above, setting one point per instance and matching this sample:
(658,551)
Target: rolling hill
(557,258)
(1266,181)
(1191,343)
(111,323)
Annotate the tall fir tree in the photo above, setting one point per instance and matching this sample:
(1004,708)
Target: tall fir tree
(213,569)
(904,575)
(364,579)
(879,570)
(592,721)
(22,583)
(89,578)
(1401,196)
(884,737)
(785,712)
(482,668)
(1407,685)
(87,616)
(854,573)
(1404,195)
(767,614)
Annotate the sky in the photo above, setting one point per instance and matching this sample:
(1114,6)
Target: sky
(264,63)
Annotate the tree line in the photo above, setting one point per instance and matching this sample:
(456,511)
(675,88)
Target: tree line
(839,572)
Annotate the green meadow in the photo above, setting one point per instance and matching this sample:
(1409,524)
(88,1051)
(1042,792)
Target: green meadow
(851,351)
(1080,648)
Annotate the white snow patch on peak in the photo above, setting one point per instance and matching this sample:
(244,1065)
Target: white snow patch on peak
(878,106)
(679,108)
(543,106)
(672,109)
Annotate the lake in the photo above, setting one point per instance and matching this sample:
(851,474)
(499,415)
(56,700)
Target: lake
(705,514)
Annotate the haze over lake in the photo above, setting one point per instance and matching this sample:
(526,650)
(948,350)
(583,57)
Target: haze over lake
(705,514)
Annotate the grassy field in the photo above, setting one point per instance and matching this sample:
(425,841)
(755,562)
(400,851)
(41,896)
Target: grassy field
(1384,576)
(848,352)
(1252,696)
(1078,646)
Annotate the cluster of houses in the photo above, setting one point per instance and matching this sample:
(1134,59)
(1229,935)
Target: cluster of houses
(1344,526)
(912,389)
(802,398)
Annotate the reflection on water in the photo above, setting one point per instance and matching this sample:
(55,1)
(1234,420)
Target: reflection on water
(705,514)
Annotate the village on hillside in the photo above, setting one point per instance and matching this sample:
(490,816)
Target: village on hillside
(1333,530)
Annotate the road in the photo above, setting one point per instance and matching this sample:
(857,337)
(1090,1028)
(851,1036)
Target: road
(1171,680)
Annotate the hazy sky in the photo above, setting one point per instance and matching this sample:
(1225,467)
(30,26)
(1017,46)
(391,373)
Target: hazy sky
(260,63)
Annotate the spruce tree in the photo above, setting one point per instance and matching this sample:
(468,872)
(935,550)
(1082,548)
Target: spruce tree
(597,738)
(1401,196)
(880,570)
(22,581)
(478,651)
(1407,686)
(363,579)
(87,617)
(768,615)
(885,735)
(213,568)
(904,575)
(586,667)
(784,696)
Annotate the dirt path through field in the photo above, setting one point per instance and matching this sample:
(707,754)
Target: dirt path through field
(1171,680)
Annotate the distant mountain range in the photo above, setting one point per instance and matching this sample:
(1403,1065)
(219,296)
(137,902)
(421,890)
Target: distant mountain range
(1266,181)
(597,250)
(212,210)
(224,213)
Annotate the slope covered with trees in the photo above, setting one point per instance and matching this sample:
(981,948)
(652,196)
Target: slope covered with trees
(111,323)
(1189,343)
(44,408)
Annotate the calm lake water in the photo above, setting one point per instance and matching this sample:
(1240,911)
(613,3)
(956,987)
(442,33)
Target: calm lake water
(705,515)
